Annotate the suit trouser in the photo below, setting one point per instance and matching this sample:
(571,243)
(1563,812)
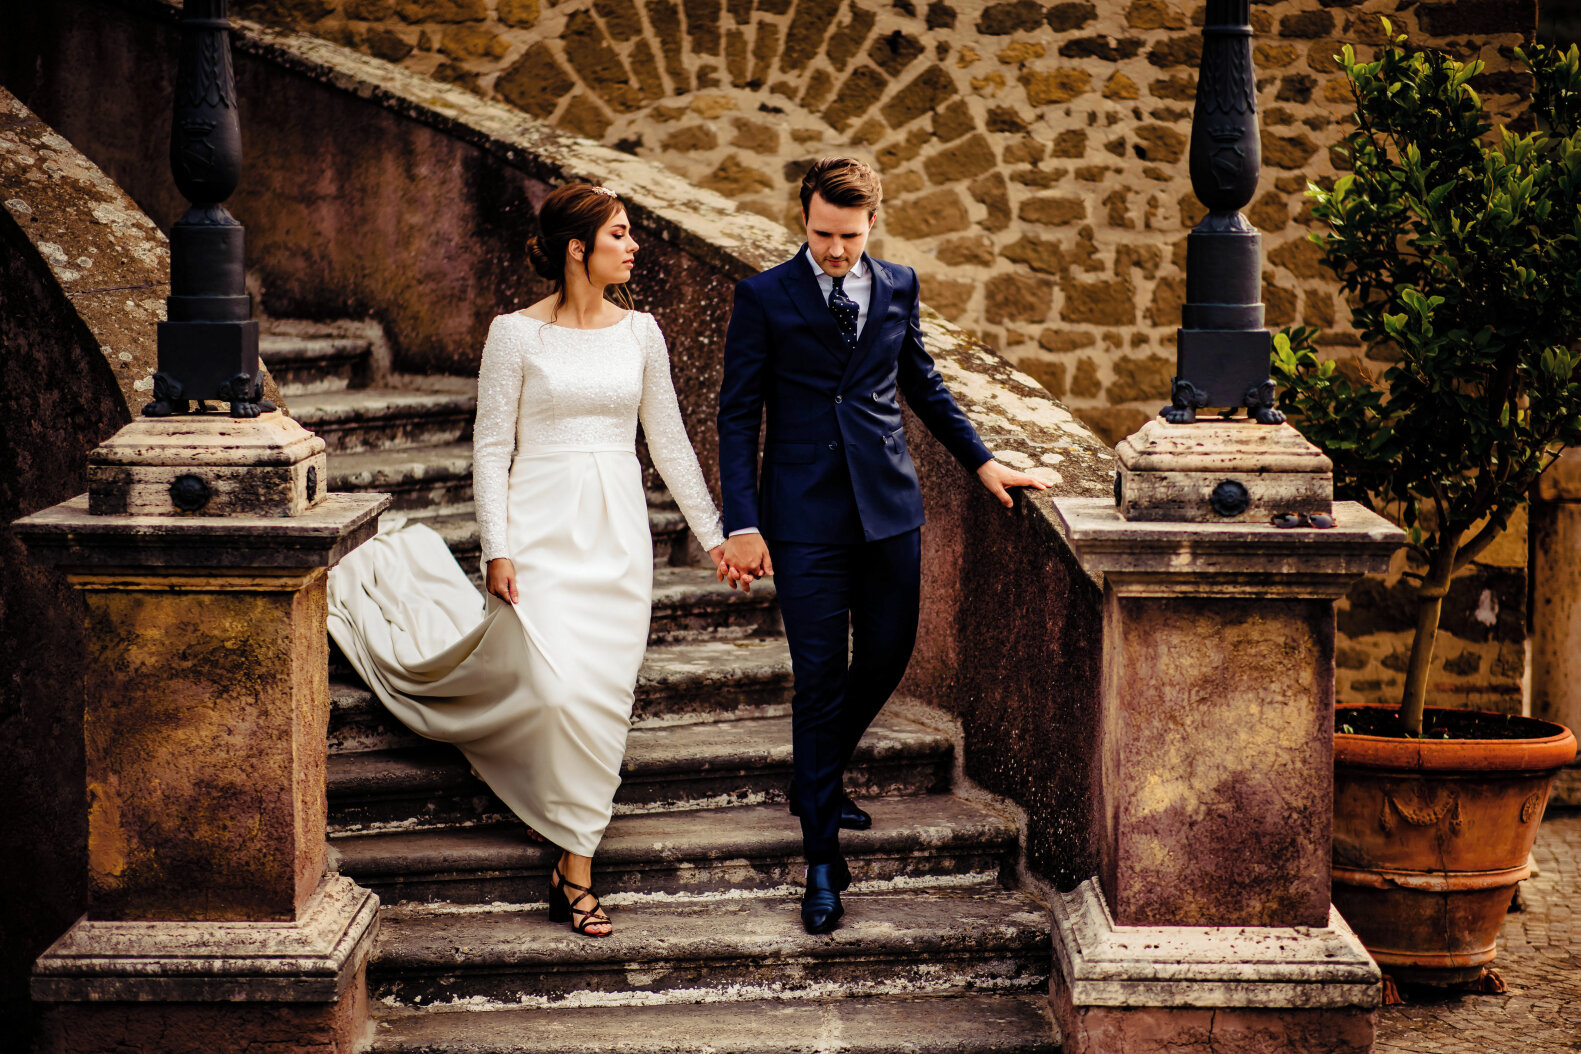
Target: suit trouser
(866,594)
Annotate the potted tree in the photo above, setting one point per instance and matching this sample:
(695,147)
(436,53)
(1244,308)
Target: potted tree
(1458,245)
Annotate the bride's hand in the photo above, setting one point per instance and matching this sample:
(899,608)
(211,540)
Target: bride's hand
(716,554)
(502,579)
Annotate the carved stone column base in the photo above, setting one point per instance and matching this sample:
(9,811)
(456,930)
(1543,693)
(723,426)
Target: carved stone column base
(208,465)
(1235,471)
(195,987)
(1146,989)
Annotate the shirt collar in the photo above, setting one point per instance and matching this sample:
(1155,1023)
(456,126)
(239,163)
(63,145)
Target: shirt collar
(858,269)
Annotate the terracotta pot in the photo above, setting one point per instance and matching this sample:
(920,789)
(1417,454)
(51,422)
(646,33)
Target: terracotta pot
(1431,837)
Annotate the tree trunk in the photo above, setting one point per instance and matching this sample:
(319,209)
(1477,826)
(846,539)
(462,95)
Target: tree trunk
(1429,604)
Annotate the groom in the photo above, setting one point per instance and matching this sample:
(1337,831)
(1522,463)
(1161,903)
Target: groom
(825,341)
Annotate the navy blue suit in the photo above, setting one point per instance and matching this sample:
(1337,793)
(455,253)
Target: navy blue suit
(838,501)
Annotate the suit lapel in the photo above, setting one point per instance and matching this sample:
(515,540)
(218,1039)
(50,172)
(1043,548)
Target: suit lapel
(802,285)
(878,306)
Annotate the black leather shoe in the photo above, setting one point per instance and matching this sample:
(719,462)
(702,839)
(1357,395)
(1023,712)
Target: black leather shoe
(852,818)
(820,904)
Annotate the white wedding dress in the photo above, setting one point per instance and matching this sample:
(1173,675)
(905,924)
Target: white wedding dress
(538,695)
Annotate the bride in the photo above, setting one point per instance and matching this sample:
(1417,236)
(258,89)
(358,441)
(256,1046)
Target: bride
(535,682)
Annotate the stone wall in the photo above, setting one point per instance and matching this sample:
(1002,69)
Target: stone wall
(1033,154)
(1034,168)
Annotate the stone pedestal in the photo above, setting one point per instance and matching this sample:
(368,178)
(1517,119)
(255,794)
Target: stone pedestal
(210,913)
(1556,607)
(1210,913)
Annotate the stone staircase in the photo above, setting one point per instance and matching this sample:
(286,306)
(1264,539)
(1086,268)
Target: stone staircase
(701,865)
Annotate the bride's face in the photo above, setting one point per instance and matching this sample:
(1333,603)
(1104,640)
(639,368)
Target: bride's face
(614,252)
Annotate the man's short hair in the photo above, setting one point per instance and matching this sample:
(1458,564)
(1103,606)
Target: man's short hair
(842,181)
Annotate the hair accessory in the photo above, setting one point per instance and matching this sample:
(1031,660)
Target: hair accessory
(606,191)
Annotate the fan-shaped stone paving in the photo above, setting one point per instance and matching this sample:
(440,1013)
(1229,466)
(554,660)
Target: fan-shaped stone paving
(701,865)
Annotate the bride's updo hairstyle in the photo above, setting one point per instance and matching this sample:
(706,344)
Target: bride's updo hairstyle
(574,212)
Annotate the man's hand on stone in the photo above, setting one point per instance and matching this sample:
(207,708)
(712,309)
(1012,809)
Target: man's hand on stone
(997,478)
(745,559)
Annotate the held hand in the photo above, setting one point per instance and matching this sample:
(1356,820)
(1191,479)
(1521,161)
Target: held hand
(502,579)
(997,477)
(717,554)
(745,559)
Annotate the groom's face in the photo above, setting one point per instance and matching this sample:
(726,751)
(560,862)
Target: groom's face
(836,235)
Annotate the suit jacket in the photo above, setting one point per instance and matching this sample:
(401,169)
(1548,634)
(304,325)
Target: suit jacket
(835,463)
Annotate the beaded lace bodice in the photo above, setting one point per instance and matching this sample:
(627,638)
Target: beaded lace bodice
(544,387)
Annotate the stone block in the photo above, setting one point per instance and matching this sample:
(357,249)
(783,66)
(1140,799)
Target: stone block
(939,212)
(208,465)
(1048,87)
(1053,211)
(964,160)
(521,14)
(927,92)
(994,194)
(846,41)
(441,10)
(1110,303)
(856,96)
(1154,14)
(1064,17)
(1014,16)
(535,83)
(1017,297)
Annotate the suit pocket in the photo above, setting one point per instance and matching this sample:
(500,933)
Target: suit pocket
(790,453)
(895,441)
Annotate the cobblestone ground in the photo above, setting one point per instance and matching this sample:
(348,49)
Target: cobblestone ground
(1540,959)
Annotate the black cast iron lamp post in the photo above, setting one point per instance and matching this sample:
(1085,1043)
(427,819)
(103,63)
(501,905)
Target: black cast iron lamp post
(1222,349)
(208,347)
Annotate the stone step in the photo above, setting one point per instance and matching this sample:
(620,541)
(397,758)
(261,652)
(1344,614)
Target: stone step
(972,1024)
(694,678)
(428,479)
(691,604)
(386,418)
(311,365)
(935,941)
(671,538)
(707,764)
(747,847)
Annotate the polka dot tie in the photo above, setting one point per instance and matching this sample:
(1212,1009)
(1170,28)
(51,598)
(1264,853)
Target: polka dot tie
(844,310)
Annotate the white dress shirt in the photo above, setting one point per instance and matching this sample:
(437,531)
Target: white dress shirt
(858,285)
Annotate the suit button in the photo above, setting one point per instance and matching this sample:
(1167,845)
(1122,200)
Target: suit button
(834,446)
(838,400)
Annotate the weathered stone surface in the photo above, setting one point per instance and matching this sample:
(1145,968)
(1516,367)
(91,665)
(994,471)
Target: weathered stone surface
(1002,19)
(317,957)
(856,96)
(847,40)
(755,136)
(976,251)
(692,138)
(1477,17)
(1053,211)
(1141,378)
(928,91)
(1287,151)
(805,31)
(994,194)
(894,51)
(964,160)
(589,52)
(1051,375)
(1017,297)
(388,45)
(939,212)
(1066,16)
(441,10)
(953,121)
(935,941)
(948,297)
(535,82)
(1302,258)
(733,178)
(472,42)
(1110,303)
(585,117)
(1176,51)
(963,1025)
(256,467)
(1046,87)
(702,25)
(1104,48)
(1161,143)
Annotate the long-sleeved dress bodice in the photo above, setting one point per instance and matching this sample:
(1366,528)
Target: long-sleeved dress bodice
(538,694)
(544,388)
